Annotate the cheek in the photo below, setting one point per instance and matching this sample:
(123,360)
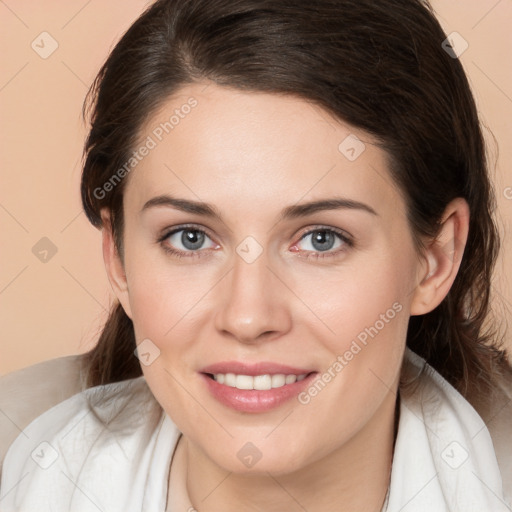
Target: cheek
(367,321)
(365,312)
(364,300)
(162,294)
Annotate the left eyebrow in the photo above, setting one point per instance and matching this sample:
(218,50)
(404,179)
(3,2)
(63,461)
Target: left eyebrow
(337,203)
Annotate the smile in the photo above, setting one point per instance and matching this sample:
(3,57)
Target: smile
(258,382)
(256,393)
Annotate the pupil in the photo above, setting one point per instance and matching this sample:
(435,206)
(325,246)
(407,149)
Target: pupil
(192,239)
(322,240)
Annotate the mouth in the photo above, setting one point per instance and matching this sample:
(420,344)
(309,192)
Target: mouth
(258,382)
(257,388)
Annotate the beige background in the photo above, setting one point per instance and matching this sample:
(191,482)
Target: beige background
(55,308)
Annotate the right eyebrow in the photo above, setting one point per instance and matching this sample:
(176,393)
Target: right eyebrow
(185,205)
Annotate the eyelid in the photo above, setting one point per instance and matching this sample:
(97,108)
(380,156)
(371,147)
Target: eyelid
(344,235)
(346,239)
(166,233)
(178,253)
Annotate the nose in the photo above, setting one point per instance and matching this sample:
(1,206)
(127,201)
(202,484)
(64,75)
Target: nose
(254,305)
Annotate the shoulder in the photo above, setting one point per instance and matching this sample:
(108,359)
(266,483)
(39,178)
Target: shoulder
(491,417)
(90,436)
(496,411)
(27,393)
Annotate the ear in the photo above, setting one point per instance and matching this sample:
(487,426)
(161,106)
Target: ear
(442,259)
(113,264)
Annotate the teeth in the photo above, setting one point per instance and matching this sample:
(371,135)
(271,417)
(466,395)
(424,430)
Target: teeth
(230,379)
(278,380)
(259,382)
(262,382)
(244,382)
(290,379)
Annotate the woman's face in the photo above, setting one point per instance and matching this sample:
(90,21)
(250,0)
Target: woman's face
(263,238)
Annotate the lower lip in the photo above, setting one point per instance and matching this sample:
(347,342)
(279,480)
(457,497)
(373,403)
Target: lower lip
(253,400)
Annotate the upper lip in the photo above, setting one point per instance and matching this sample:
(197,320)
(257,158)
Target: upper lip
(261,368)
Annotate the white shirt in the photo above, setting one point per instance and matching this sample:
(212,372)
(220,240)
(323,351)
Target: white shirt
(109,448)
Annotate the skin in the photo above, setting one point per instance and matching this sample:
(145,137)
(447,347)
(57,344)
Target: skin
(250,155)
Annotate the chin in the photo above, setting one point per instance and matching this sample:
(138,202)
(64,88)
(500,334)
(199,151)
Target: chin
(250,458)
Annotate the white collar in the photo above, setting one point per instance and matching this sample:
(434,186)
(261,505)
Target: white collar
(444,458)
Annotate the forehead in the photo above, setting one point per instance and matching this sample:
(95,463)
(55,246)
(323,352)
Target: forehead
(226,146)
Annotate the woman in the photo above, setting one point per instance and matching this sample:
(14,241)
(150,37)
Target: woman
(297,223)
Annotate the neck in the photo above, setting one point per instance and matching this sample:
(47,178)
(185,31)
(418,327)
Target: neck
(353,477)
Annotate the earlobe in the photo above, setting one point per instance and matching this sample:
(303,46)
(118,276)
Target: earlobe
(442,259)
(113,264)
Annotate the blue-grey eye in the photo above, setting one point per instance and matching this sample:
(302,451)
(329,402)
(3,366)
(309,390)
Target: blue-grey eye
(321,240)
(190,239)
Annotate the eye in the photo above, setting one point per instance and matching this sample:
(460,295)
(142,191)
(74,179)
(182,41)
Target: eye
(189,240)
(322,240)
(186,240)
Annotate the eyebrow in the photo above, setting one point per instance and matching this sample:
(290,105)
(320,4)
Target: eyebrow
(290,212)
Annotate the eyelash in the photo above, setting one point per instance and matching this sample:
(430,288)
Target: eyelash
(348,243)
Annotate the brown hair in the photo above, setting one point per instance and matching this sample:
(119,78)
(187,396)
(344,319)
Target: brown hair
(379,66)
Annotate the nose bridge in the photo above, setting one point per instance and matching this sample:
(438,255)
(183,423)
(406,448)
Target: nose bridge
(251,305)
